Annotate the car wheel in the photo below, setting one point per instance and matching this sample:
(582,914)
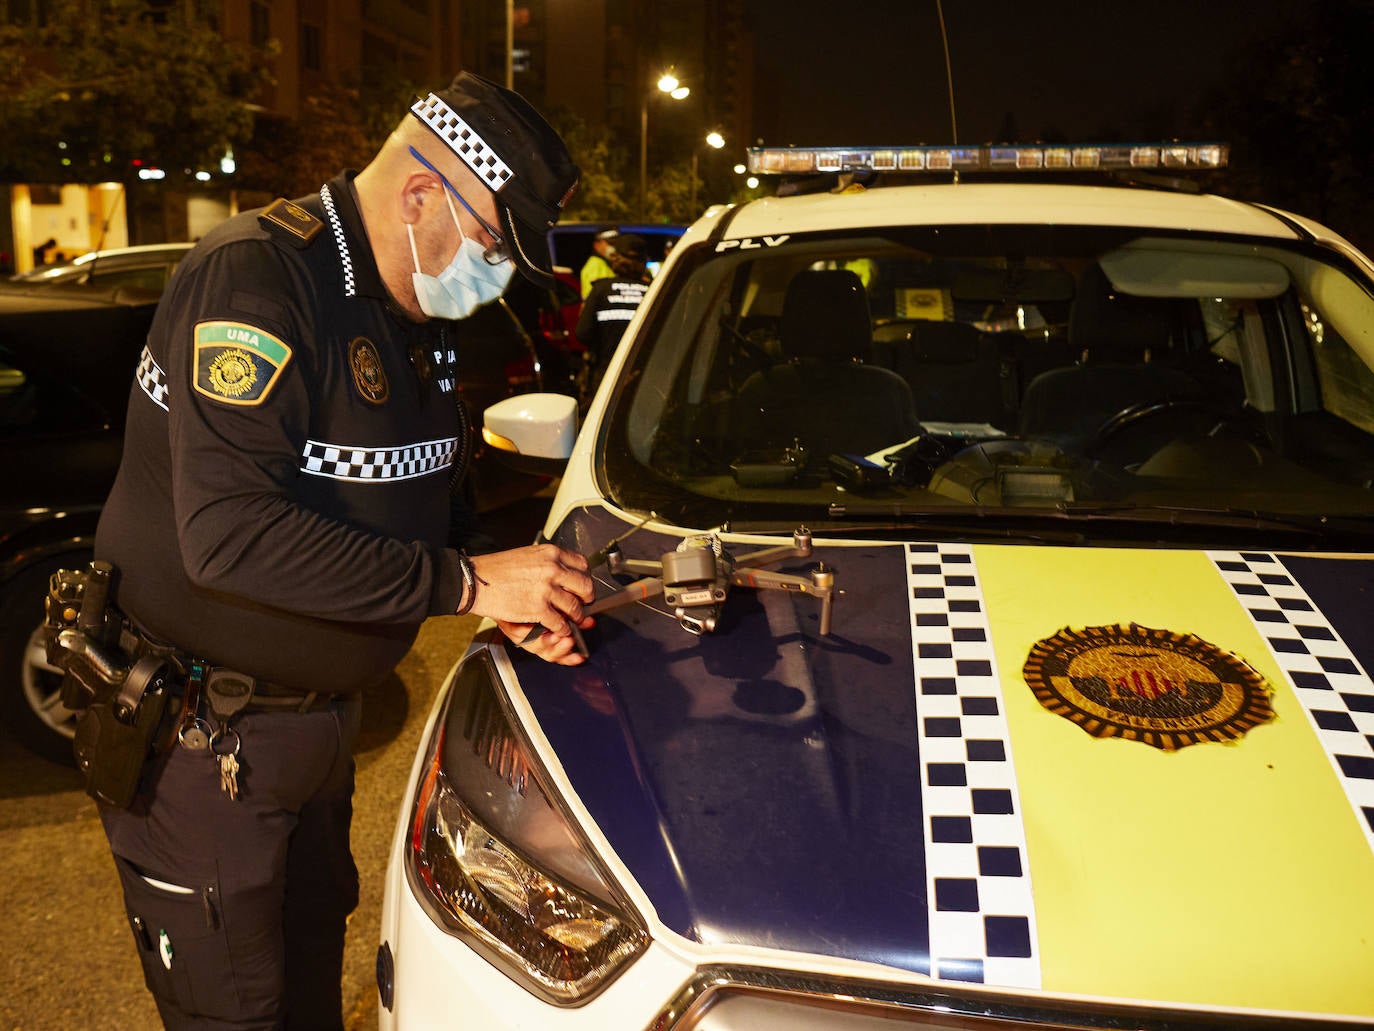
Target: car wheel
(30,701)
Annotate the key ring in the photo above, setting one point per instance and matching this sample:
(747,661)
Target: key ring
(195,734)
(219,735)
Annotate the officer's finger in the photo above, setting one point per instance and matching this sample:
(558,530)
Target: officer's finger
(578,587)
(572,559)
(563,651)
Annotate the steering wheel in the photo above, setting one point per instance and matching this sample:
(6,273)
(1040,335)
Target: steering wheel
(749,357)
(1142,412)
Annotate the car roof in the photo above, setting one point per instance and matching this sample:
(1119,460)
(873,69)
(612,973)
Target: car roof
(1002,204)
(138,250)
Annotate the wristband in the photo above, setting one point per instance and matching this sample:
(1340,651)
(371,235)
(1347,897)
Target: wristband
(469,584)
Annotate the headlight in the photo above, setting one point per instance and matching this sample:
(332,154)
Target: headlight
(494,859)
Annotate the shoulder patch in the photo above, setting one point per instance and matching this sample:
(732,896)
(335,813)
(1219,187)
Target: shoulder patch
(236,363)
(290,222)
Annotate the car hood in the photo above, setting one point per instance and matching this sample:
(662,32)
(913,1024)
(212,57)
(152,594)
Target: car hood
(1138,774)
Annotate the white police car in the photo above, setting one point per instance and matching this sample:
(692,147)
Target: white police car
(985,632)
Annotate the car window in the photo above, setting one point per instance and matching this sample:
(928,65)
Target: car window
(1024,367)
(151,278)
(1347,381)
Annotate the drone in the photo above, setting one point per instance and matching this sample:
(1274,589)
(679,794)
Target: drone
(695,579)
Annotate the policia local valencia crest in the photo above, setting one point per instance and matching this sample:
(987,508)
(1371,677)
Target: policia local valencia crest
(236,363)
(1164,688)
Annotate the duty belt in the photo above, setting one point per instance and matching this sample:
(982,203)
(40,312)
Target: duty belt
(194,673)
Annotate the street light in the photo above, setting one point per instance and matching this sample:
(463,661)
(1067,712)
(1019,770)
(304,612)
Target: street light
(667,83)
(713,139)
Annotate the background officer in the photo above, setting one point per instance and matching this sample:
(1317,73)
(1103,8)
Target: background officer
(612,303)
(280,515)
(598,264)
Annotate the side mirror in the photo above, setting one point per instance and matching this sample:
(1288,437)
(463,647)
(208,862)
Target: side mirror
(533,433)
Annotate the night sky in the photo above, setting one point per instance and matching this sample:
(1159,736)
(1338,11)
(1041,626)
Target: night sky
(872,72)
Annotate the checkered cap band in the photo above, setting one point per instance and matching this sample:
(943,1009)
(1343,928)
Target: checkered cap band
(152,379)
(378,465)
(463,140)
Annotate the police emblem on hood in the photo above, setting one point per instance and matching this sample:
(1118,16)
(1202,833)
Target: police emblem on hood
(1160,687)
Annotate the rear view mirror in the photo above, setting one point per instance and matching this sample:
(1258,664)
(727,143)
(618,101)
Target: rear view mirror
(1013,284)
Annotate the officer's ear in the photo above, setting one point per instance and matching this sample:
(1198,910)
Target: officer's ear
(419,190)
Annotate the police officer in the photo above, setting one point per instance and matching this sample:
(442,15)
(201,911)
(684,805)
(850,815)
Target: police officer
(279,520)
(598,263)
(612,303)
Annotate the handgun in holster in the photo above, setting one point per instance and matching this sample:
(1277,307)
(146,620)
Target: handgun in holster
(120,699)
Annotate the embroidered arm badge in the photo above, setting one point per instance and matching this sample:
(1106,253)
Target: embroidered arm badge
(236,363)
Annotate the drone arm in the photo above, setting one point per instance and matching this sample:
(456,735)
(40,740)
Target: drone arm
(640,590)
(638,565)
(799,548)
(820,584)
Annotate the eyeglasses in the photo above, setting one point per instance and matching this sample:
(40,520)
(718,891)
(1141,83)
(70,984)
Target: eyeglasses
(498,252)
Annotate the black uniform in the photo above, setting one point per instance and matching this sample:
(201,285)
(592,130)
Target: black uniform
(281,510)
(605,314)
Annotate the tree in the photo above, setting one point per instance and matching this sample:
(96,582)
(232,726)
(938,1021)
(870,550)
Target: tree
(601,193)
(1296,107)
(291,157)
(100,86)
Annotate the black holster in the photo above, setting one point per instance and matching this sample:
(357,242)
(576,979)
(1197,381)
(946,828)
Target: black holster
(120,696)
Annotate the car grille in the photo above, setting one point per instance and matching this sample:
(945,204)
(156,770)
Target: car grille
(721,998)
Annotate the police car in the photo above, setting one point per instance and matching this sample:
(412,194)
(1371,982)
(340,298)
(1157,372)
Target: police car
(983,634)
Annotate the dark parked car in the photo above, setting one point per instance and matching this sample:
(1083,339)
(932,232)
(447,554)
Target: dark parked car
(67,357)
(571,242)
(147,267)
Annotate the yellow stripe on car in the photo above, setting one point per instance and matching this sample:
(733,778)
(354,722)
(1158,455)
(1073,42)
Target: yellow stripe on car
(1215,874)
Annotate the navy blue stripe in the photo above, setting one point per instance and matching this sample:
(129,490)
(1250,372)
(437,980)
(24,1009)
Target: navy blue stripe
(742,818)
(1343,589)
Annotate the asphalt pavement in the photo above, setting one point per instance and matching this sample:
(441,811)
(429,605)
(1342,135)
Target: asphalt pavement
(66,952)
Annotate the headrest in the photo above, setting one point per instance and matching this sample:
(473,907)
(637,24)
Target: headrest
(825,315)
(1109,325)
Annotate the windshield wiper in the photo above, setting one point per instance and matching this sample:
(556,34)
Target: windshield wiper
(1240,518)
(1072,522)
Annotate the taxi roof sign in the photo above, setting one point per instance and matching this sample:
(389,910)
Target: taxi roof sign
(988,158)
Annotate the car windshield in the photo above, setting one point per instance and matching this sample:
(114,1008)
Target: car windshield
(1025,373)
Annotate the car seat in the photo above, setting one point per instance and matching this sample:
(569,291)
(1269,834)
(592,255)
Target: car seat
(821,393)
(1121,341)
(955,372)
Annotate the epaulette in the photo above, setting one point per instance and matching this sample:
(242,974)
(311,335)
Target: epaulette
(290,222)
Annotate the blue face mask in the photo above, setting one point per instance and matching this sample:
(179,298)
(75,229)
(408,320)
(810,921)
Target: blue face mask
(465,285)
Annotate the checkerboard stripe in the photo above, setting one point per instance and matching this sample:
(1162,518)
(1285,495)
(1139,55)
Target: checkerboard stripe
(463,140)
(982,915)
(342,462)
(1335,692)
(336,227)
(152,379)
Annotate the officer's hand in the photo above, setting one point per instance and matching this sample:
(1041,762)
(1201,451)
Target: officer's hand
(540,584)
(560,650)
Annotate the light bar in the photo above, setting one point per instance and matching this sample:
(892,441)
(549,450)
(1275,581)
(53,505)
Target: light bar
(988,158)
